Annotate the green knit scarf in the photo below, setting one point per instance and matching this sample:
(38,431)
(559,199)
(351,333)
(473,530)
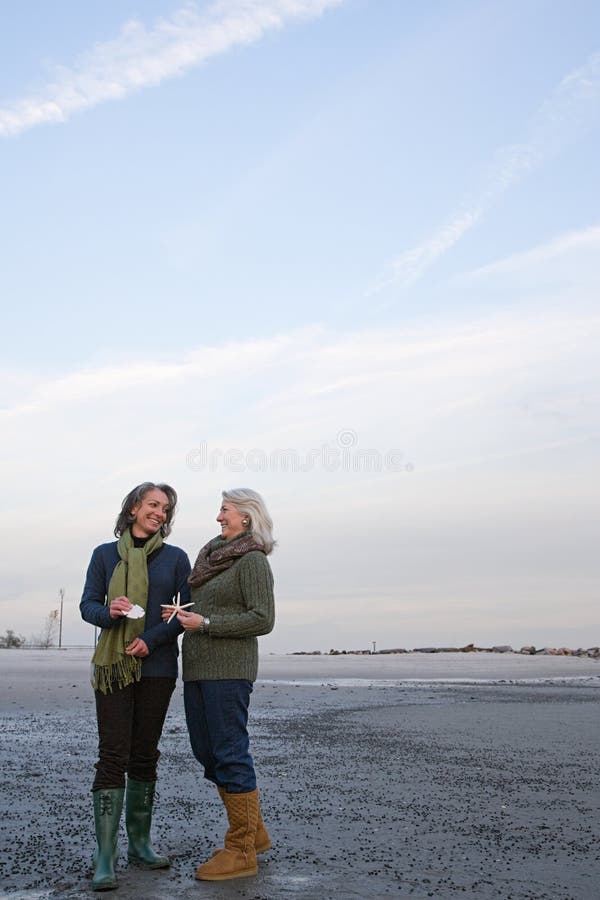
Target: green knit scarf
(112,666)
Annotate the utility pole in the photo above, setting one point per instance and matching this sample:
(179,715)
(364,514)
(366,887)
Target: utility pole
(374,645)
(61,594)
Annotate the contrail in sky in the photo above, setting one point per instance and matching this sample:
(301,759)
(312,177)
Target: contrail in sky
(141,57)
(563,117)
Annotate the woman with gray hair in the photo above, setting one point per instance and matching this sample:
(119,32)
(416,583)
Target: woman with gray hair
(232,592)
(134,669)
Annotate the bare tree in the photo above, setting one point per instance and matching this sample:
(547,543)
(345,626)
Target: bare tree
(46,637)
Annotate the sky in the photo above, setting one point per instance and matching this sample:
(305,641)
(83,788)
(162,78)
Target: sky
(344,252)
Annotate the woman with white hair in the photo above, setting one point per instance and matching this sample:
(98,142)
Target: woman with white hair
(232,591)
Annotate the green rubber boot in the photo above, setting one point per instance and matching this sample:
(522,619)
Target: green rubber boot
(108,803)
(138,818)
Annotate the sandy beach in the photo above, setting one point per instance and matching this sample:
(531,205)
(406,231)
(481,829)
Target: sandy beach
(422,776)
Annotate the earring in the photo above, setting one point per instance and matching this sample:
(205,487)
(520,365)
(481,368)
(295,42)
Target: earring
(245,522)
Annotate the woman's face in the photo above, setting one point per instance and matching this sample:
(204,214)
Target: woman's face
(230,520)
(150,514)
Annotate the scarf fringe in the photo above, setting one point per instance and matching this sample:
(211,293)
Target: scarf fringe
(119,674)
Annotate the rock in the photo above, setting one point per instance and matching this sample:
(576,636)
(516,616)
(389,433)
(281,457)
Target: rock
(503,648)
(527,651)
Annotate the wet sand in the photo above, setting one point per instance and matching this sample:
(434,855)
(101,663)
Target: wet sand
(375,781)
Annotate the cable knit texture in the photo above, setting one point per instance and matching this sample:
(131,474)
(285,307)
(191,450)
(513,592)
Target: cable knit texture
(239,604)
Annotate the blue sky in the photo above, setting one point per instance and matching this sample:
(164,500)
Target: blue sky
(324,227)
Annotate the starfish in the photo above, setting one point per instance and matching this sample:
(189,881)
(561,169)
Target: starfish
(175,607)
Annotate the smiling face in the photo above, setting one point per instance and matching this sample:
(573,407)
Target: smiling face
(150,514)
(230,520)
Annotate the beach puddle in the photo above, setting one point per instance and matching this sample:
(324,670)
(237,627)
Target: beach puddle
(32,894)
(293,883)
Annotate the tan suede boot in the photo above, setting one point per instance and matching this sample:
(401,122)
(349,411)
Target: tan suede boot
(262,842)
(238,858)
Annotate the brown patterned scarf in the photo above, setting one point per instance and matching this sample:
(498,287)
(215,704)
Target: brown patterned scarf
(218,555)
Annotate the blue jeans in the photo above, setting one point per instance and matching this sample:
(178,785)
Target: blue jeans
(216,713)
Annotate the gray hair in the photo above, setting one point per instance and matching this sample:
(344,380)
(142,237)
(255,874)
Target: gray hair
(252,505)
(135,497)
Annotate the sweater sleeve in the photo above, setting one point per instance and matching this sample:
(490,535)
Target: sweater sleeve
(165,632)
(92,606)
(256,585)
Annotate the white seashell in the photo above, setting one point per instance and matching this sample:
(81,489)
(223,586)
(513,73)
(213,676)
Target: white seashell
(136,612)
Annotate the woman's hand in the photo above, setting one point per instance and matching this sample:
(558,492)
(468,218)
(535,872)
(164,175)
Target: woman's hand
(119,607)
(189,620)
(167,612)
(137,648)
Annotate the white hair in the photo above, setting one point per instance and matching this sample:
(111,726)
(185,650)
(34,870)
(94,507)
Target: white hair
(252,505)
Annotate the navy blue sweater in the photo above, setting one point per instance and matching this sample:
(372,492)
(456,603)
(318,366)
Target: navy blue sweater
(168,571)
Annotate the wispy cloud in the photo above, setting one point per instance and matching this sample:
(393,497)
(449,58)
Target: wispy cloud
(560,120)
(302,377)
(141,57)
(586,239)
(410,265)
(93,385)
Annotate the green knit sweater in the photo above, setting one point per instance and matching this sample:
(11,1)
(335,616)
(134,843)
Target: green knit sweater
(239,604)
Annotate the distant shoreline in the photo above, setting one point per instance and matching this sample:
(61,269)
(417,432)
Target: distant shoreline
(589,652)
